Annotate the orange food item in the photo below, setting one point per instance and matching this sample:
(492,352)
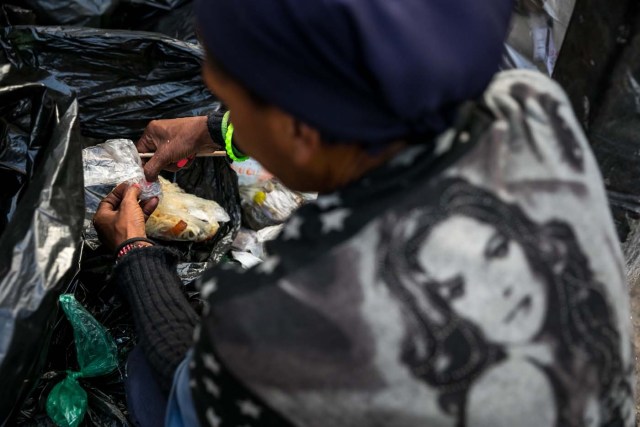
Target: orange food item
(178,228)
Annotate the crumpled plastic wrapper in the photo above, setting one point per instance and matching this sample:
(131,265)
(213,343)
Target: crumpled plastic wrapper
(269,203)
(248,247)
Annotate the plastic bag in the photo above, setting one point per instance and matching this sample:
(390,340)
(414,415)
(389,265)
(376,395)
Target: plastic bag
(98,13)
(249,245)
(253,241)
(97,355)
(123,79)
(269,203)
(250,172)
(40,214)
(179,23)
(15,15)
(614,135)
(70,12)
(184,217)
(114,162)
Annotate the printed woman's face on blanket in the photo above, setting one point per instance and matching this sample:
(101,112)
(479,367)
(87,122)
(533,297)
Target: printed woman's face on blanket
(486,278)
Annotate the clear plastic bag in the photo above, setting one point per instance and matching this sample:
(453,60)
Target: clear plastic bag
(269,203)
(114,162)
(184,217)
(250,172)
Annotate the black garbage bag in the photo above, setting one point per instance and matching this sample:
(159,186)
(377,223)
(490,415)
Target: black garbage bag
(615,134)
(123,79)
(179,23)
(15,15)
(125,14)
(41,208)
(599,67)
(69,12)
(113,14)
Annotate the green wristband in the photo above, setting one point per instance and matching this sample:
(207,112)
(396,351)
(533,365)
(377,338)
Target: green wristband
(227,134)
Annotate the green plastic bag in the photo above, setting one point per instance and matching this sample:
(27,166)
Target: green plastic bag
(97,355)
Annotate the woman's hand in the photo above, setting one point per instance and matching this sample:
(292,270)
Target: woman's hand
(173,141)
(121,217)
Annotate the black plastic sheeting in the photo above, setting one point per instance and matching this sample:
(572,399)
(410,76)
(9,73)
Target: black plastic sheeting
(179,24)
(40,224)
(615,134)
(122,80)
(15,15)
(125,14)
(172,18)
(599,67)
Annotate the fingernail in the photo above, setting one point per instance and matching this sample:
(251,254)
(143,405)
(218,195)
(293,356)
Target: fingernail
(137,186)
(182,163)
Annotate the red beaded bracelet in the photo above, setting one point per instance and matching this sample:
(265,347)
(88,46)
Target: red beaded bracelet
(128,245)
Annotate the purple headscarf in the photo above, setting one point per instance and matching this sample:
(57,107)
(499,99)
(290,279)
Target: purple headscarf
(360,70)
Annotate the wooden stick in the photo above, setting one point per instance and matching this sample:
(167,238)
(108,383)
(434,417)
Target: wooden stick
(213,154)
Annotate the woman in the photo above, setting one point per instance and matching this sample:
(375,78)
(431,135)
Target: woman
(376,105)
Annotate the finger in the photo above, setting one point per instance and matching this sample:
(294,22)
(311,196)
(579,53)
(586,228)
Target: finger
(147,143)
(102,217)
(112,201)
(148,206)
(154,166)
(132,195)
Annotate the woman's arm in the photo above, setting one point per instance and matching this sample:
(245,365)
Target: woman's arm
(163,317)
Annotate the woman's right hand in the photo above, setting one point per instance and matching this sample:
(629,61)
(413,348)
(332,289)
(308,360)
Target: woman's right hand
(172,141)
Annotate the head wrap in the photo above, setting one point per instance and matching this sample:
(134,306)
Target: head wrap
(360,70)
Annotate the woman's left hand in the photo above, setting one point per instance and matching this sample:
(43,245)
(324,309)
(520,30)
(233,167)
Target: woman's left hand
(121,216)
